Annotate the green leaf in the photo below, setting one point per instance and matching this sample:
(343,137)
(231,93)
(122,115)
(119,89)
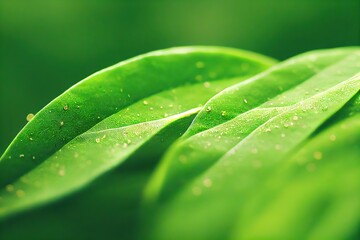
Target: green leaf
(104,119)
(298,197)
(272,156)
(241,137)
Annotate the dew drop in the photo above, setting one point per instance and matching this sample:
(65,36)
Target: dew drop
(24,180)
(61,123)
(223,113)
(21,156)
(208,109)
(295,118)
(212,74)
(97,140)
(29,117)
(311,167)
(206,84)
(66,107)
(332,137)
(31,139)
(318,155)
(61,172)
(183,158)
(198,77)
(20,193)
(268,130)
(245,101)
(145,102)
(9,188)
(200,64)
(207,182)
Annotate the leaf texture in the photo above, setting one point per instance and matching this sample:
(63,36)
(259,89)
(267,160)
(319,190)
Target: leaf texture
(242,136)
(124,106)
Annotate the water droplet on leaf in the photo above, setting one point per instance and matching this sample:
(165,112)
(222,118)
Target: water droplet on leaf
(29,117)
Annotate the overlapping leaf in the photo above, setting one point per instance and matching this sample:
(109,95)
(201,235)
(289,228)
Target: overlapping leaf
(313,195)
(273,156)
(241,137)
(131,103)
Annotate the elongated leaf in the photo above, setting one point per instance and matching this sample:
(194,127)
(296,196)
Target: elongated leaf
(79,162)
(206,70)
(113,198)
(131,103)
(240,137)
(298,197)
(262,159)
(239,110)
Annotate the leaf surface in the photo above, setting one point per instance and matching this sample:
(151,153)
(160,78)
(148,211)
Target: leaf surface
(116,88)
(297,196)
(125,106)
(241,135)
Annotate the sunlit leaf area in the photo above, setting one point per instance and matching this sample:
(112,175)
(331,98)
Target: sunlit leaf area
(180,120)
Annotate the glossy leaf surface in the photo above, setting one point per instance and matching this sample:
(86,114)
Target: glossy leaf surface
(251,152)
(118,87)
(131,103)
(242,136)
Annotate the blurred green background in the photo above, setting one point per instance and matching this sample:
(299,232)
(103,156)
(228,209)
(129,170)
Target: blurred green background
(48,45)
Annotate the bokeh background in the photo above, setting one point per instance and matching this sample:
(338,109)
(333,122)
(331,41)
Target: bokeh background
(48,45)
